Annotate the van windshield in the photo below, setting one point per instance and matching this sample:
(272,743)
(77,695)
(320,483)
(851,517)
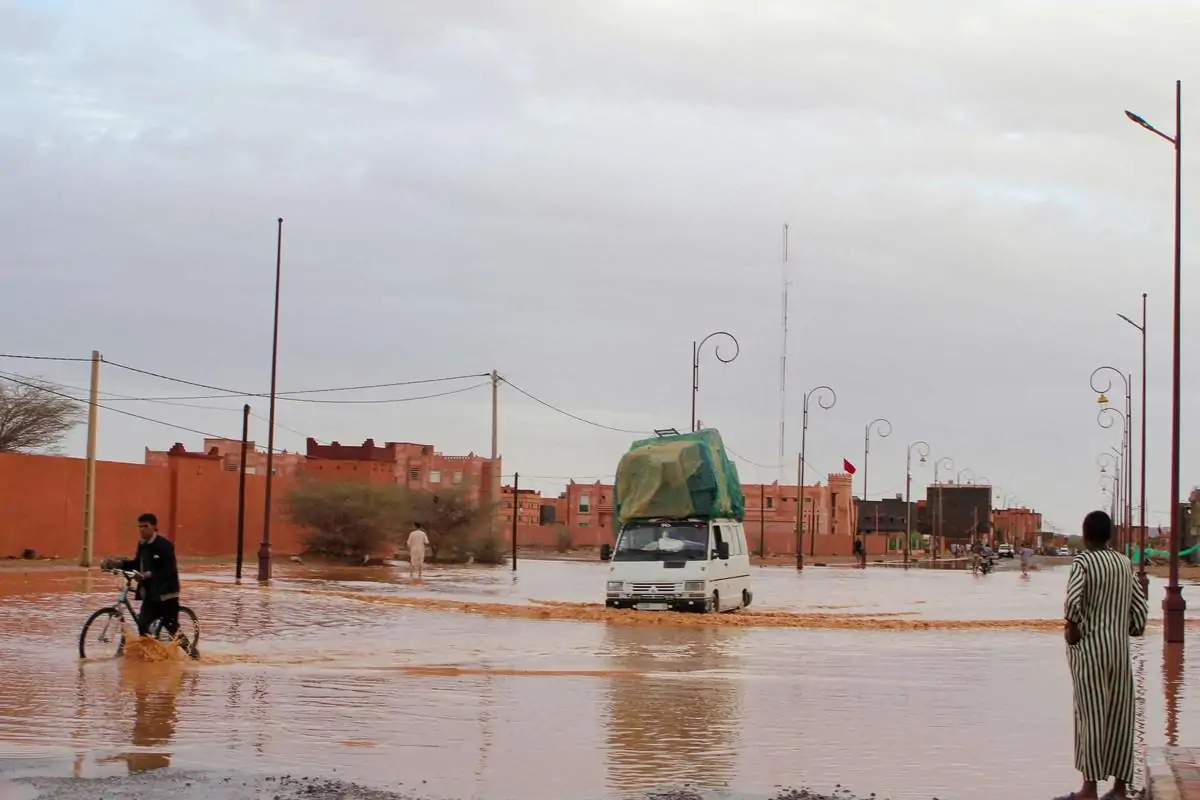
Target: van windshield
(663,542)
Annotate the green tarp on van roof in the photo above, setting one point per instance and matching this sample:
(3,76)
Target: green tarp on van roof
(677,476)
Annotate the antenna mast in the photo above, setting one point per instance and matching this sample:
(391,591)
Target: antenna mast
(783,358)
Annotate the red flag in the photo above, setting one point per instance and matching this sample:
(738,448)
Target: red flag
(848,467)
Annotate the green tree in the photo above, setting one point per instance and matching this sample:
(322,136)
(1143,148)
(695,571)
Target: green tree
(347,520)
(455,525)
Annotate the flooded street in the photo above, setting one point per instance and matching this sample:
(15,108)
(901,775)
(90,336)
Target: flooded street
(485,684)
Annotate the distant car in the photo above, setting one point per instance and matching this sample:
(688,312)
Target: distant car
(1006,551)
(1064,551)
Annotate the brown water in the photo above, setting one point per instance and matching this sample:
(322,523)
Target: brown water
(482,684)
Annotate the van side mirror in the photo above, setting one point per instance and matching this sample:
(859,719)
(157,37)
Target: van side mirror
(605,552)
(723,551)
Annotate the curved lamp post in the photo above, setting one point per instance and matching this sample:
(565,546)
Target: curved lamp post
(822,393)
(965,470)
(922,448)
(696,347)
(1105,418)
(946,463)
(1142,577)
(883,429)
(1174,606)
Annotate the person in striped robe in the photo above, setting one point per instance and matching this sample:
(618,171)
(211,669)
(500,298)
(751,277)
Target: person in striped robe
(1104,607)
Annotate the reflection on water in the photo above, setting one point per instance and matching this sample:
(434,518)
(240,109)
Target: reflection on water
(346,672)
(678,722)
(1172,671)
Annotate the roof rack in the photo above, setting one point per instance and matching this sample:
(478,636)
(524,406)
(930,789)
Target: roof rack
(666,432)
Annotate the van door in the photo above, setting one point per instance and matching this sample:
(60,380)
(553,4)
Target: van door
(720,573)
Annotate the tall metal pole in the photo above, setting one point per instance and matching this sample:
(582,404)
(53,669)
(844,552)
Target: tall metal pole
(1174,606)
(1128,539)
(696,347)
(1145,580)
(907,506)
(884,429)
(762,520)
(820,392)
(800,510)
(89,478)
(695,379)
(241,520)
(516,513)
(264,550)
(492,495)
(945,462)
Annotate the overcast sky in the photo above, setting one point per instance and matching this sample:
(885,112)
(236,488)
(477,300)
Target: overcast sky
(572,192)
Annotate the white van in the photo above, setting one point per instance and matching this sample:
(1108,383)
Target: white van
(679,564)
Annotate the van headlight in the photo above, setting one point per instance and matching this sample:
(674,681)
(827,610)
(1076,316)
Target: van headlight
(693,586)
(615,586)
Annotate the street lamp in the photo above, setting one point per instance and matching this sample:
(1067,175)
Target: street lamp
(696,346)
(1174,605)
(959,478)
(1105,418)
(947,463)
(883,429)
(1145,580)
(922,448)
(822,394)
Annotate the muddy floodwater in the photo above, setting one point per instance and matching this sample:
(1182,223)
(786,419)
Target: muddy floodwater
(487,684)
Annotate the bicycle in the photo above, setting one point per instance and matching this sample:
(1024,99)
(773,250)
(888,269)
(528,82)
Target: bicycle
(110,622)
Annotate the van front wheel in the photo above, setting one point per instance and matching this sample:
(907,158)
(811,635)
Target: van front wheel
(746,598)
(714,605)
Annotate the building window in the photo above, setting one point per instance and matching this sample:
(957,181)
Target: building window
(414,474)
(583,524)
(435,476)
(585,504)
(770,502)
(457,478)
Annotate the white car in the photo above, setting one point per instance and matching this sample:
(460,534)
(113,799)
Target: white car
(1064,551)
(679,565)
(1006,551)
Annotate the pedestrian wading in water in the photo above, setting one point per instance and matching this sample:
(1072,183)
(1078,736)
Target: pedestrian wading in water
(1104,607)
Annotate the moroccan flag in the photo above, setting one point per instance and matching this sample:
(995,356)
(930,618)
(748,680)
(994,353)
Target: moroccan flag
(848,467)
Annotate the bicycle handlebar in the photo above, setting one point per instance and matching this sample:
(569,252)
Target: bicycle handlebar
(127,574)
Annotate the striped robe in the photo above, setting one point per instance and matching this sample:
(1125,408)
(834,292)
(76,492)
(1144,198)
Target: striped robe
(1105,600)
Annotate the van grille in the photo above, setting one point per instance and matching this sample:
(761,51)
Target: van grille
(652,588)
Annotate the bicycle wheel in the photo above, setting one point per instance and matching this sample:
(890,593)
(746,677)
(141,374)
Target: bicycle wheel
(188,635)
(103,635)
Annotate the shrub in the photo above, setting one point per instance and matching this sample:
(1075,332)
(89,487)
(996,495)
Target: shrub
(451,521)
(563,541)
(346,520)
(488,548)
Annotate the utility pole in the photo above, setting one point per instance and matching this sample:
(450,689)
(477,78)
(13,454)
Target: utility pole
(264,550)
(762,520)
(241,521)
(494,481)
(516,513)
(89,479)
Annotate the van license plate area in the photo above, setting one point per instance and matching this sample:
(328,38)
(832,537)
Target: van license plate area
(652,606)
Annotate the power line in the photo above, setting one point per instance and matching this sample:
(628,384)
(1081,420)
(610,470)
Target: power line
(289,395)
(553,407)
(48,390)
(113,396)
(42,358)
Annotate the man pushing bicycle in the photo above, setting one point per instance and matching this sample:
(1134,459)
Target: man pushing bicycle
(158,573)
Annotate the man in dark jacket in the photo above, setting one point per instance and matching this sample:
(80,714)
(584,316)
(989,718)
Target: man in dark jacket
(159,586)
